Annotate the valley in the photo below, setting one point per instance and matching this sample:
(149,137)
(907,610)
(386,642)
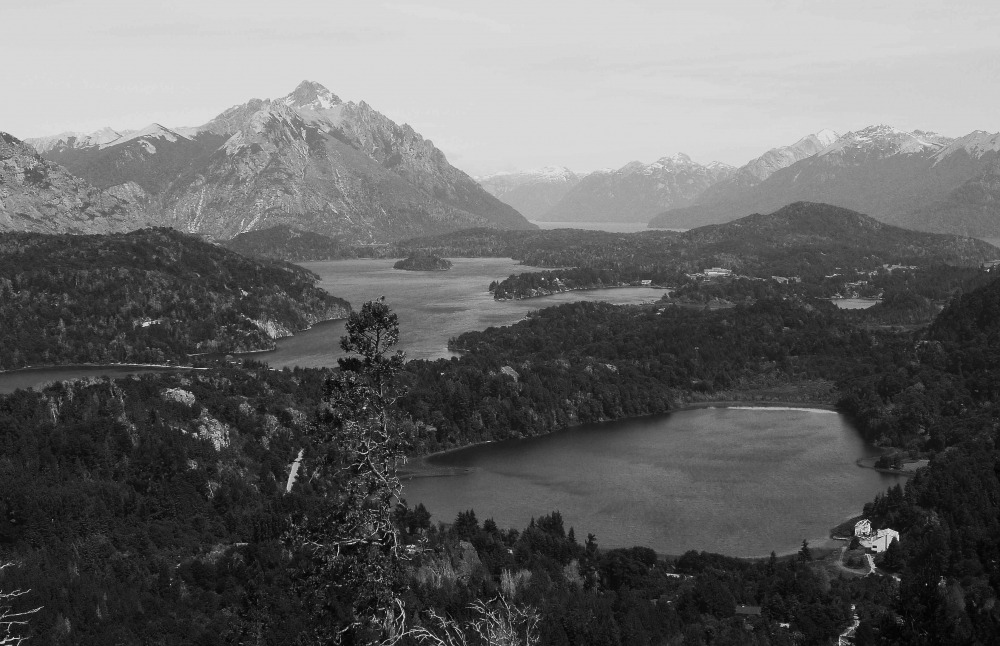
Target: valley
(220,345)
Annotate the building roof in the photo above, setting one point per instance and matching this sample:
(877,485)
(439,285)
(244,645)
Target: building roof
(748,610)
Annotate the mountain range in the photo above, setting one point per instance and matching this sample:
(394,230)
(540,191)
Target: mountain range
(918,179)
(534,192)
(308,160)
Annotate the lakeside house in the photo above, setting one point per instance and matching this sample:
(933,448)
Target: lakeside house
(717,272)
(877,541)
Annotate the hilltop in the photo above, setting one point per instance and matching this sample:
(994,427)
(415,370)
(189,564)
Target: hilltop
(149,296)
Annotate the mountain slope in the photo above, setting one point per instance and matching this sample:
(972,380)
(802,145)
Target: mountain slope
(531,192)
(151,295)
(806,236)
(637,191)
(757,170)
(307,160)
(41,196)
(889,173)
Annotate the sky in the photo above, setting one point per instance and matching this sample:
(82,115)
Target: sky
(517,84)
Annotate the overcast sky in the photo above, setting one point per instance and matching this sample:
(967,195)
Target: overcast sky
(517,84)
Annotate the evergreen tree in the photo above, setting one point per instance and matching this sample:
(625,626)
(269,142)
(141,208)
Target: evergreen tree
(354,550)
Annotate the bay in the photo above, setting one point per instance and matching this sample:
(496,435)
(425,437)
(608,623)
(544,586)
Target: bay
(433,306)
(854,303)
(738,481)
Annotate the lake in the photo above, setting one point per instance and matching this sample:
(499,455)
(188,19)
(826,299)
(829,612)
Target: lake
(433,306)
(738,481)
(612,227)
(35,377)
(854,303)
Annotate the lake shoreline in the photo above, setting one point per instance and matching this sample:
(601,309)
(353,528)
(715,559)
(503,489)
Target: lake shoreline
(582,289)
(418,466)
(73,366)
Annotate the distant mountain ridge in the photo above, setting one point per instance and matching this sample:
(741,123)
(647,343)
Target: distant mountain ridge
(636,191)
(913,179)
(532,192)
(307,160)
(41,196)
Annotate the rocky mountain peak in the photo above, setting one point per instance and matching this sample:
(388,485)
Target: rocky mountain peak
(884,139)
(311,95)
(826,136)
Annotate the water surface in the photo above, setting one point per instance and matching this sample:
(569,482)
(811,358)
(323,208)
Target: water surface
(612,227)
(432,306)
(38,377)
(854,303)
(740,481)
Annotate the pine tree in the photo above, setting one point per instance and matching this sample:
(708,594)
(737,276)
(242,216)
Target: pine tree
(354,551)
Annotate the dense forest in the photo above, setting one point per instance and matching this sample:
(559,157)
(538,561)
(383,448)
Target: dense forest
(177,523)
(150,296)
(245,505)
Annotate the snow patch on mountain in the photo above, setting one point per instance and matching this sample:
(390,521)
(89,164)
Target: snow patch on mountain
(887,140)
(152,131)
(104,136)
(975,144)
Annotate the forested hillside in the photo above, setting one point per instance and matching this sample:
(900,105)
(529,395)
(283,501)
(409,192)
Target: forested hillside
(177,524)
(150,296)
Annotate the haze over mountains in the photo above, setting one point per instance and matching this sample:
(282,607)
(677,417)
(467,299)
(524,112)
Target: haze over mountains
(307,160)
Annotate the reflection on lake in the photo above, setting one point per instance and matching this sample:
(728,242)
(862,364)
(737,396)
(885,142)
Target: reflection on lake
(739,481)
(854,303)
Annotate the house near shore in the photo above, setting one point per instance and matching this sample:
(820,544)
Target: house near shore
(877,541)
(880,540)
(717,272)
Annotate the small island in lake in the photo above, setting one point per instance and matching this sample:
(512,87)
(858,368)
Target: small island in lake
(423,262)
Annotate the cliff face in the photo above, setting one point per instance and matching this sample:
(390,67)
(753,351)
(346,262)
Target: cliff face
(41,196)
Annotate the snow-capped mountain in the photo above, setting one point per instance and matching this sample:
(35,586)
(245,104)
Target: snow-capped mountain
(98,138)
(914,178)
(637,191)
(306,159)
(531,192)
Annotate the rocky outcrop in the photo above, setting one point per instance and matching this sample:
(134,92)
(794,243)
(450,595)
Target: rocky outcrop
(40,196)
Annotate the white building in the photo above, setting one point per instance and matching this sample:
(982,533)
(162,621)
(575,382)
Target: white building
(880,540)
(862,528)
